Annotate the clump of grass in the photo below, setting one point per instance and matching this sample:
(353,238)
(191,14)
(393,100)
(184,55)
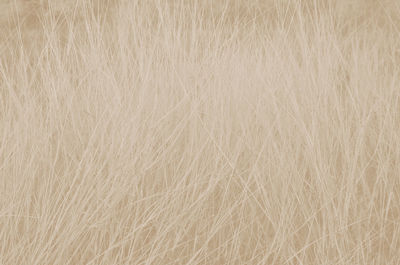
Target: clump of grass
(200,132)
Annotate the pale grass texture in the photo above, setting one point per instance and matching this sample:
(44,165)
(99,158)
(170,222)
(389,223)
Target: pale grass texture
(200,132)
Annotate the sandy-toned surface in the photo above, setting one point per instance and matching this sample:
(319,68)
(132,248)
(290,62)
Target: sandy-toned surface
(199,132)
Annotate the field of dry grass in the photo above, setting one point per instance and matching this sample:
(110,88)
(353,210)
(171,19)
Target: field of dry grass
(199,132)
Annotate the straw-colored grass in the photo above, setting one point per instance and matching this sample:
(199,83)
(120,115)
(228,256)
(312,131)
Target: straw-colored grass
(199,132)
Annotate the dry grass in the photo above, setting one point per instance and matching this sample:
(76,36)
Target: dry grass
(200,132)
